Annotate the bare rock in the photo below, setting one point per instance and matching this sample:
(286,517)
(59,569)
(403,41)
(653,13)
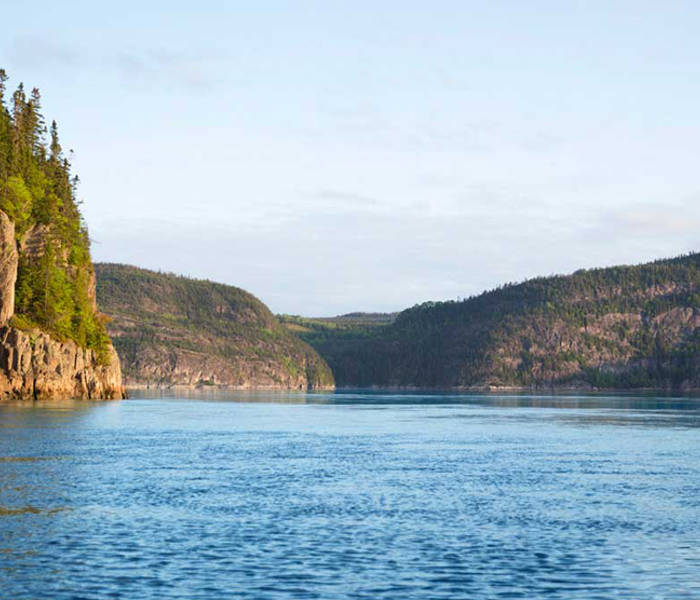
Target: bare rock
(8,268)
(92,290)
(34,365)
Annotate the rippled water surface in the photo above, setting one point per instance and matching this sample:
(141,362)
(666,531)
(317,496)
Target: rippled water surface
(351,496)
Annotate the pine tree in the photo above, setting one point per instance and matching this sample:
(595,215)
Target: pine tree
(3,82)
(38,192)
(37,124)
(4,130)
(54,147)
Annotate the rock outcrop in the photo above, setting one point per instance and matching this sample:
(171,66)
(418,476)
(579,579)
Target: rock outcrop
(33,364)
(155,363)
(8,268)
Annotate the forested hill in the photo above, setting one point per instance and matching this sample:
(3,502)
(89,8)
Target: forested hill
(175,330)
(55,278)
(53,342)
(619,327)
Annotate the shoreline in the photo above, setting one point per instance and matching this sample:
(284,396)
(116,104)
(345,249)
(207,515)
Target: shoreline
(543,391)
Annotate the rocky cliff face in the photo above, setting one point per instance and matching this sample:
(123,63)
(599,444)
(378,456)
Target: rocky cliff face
(9,259)
(34,365)
(163,365)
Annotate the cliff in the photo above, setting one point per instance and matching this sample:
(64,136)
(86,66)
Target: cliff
(614,328)
(53,343)
(35,365)
(172,330)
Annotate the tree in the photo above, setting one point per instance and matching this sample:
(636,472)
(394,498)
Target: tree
(37,192)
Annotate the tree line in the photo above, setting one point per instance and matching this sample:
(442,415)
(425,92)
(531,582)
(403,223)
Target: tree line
(38,193)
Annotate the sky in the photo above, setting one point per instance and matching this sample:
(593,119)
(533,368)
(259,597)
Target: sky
(343,156)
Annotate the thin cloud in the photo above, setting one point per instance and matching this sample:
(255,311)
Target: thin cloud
(652,220)
(656,222)
(34,51)
(342,198)
(163,68)
(140,68)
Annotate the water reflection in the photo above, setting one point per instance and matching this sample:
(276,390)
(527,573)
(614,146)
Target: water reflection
(23,458)
(30,510)
(523,400)
(50,404)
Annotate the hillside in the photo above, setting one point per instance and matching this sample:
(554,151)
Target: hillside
(53,342)
(174,330)
(619,327)
(317,329)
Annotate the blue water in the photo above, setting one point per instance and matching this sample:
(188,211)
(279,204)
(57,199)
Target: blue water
(273,496)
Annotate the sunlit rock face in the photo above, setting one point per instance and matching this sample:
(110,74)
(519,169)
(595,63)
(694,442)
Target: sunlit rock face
(8,268)
(34,365)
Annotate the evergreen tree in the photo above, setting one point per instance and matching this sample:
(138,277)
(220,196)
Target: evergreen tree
(38,192)
(4,130)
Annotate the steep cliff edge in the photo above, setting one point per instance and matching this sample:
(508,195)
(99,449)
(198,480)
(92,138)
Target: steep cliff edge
(172,330)
(35,365)
(53,343)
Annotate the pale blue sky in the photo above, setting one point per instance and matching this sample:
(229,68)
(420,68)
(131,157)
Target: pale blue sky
(338,156)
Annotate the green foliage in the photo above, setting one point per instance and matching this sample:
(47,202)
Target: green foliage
(158,314)
(16,202)
(23,322)
(37,192)
(619,327)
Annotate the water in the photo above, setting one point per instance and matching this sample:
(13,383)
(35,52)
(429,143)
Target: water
(351,496)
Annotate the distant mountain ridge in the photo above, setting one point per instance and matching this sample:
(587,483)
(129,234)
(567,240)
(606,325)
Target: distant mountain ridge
(172,330)
(618,327)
